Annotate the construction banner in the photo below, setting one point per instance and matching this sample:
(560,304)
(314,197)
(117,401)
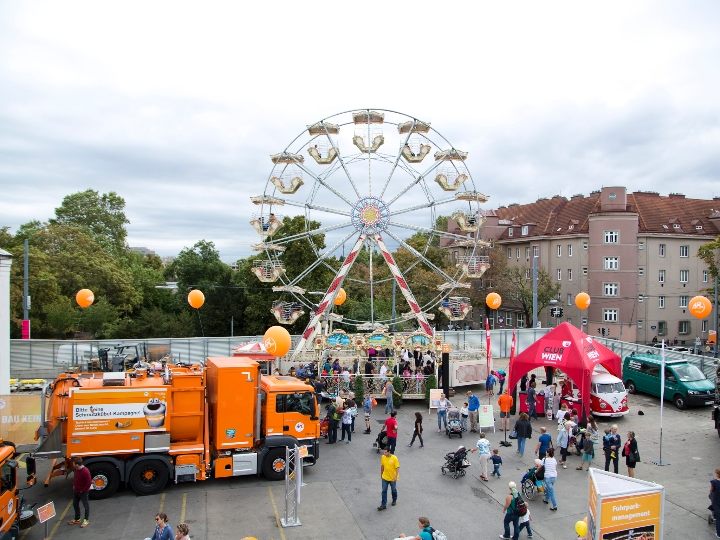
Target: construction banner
(19,417)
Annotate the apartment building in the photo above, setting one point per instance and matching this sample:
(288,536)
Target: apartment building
(634,253)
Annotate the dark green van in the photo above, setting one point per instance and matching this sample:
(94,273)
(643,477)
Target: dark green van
(685,384)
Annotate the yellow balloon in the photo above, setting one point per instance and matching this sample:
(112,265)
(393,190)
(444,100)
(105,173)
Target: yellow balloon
(340,297)
(196,298)
(277,341)
(581,528)
(582,300)
(85,298)
(493,300)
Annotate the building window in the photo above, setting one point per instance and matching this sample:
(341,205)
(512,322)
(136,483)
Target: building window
(662,328)
(611,237)
(569,274)
(585,244)
(661,302)
(508,318)
(684,276)
(569,250)
(704,325)
(641,245)
(683,328)
(676,226)
(641,298)
(612,263)
(661,250)
(641,270)
(559,250)
(610,289)
(510,232)
(517,253)
(585,271)
(521,320)
(698,227)
(569,299)
(705,276)
(640,324)
(509,253)
(536,251)
(527,252)
(559,274)
(610,315)
(455,255)
(683,301)
(684,251)
(661,276)
(524,230)
(527,273)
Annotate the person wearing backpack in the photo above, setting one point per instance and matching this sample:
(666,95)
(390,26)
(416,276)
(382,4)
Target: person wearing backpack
(512,508)
(426,531)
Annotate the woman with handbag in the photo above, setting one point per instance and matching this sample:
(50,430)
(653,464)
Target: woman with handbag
(630,451)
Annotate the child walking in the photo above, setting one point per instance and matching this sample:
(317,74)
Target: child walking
(418,430)
(464,414)
(497,462)
(490,384)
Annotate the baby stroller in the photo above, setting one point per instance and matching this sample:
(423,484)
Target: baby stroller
(454,426)
(381,441)
(532,482)
(455,463)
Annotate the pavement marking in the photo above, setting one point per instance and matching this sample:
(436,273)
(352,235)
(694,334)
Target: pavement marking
(183,508)
(277,516)
(162,502)
(62,518)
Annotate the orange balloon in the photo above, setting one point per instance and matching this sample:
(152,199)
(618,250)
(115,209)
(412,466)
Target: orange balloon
(340,297)
(700,307)
(582,300)
(277,341)
(493,300)
(85,298)
(196,298)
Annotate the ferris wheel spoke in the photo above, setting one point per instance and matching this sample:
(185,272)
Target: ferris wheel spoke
(397,160)
(319,260)
(344,167)
(430,230)
(310,206)
(324,184)
(416,180)
(312,232)
(429,204)
(422,257)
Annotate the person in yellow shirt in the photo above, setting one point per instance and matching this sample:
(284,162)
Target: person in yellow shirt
(389,474)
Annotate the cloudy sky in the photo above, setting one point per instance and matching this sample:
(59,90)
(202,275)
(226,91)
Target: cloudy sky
(177,106)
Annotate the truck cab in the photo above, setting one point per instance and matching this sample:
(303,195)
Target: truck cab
(10,501)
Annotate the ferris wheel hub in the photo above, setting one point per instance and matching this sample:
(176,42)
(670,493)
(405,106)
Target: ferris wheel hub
(370,215)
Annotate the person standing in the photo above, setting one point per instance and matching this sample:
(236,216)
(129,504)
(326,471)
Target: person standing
(389,474)
(563,441)
(81,491)
(630,451)
(532,401)
(389,390)
(715,501)
(523,430)
(611,447)
(182,532)
(334,417)
(524,521)
(511,514)
(523,383)
(464,414)
(367,410)
(497,462)
(163,531)
(550,468)
(418,430)
(346,424)
(490,384)
(391,428)
(505,401)
(443,406)
(473,408)
(501,380)
(482,447)
(544,443)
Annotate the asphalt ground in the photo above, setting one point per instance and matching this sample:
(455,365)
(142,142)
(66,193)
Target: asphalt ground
(343,489)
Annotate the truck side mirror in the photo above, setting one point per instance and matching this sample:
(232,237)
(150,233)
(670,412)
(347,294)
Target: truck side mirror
(31,471)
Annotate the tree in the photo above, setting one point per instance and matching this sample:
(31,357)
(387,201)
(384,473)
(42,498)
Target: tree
(710,253)
(514,285)
(102,215)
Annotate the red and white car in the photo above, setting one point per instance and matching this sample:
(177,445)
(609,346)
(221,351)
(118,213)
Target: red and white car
(608,396)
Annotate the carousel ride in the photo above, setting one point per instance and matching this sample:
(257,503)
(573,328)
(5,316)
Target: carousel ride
(371,178)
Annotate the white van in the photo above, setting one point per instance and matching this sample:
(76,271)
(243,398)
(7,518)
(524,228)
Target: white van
(74,354)
(608,396)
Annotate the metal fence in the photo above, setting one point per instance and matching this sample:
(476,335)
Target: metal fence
(413,387)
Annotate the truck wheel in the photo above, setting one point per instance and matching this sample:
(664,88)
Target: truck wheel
(631,388)
(105,480)
(679,401)
(148,477)
(273,466)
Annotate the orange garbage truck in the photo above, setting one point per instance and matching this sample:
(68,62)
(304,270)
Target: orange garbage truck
(177,423)
(12,510)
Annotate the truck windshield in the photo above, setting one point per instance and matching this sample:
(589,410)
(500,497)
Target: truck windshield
(688,373)
(7,480)
(301,402)
(610,388)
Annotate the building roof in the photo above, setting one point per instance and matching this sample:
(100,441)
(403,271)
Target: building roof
(559,216)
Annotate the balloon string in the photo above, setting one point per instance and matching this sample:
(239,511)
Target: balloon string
(202,330)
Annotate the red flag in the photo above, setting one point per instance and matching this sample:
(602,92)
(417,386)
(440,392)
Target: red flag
(487,346)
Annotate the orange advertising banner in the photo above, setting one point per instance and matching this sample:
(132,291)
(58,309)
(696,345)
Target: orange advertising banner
(118,409)
(19,417)
(639,513)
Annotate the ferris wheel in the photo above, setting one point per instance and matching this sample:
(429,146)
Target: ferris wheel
(372,179)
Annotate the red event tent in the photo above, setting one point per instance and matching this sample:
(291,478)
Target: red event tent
(570,349)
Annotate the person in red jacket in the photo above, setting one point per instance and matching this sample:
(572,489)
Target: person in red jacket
(81,489)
